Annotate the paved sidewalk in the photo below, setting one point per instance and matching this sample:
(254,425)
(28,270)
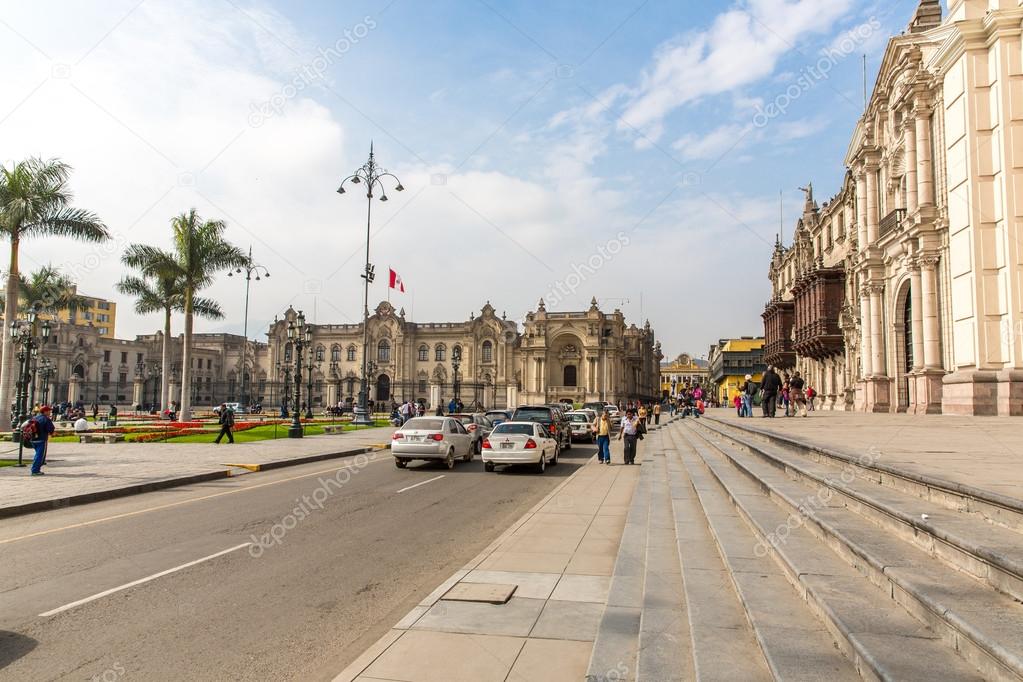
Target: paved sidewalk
(559,557)
(978,452)
(77,473)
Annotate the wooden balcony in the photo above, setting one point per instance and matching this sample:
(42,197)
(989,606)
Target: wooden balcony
(891,222)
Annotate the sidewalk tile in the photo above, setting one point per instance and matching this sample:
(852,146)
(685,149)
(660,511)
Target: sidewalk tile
(523,561)
(545,660)
(530,543)
(514,618)
(591,564)
(589,588)
(576,620)
(446,657)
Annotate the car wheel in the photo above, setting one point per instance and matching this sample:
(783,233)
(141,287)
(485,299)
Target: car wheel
(470,454)
(554,462)
(542,464)
(488,466)
(401,463)
(449,461)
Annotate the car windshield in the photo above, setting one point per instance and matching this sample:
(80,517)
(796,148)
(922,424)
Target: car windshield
(513,430)
(423,425)
(464,418)
(533,414)
(578,418)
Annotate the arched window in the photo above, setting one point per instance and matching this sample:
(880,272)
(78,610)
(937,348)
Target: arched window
(320,350)
(424,353)
(335,354)
(351,354)
(440,352)
(384,351)
(287,352)
(488,351)
(456,354)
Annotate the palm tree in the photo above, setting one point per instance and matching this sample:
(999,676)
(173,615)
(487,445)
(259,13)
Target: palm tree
(49,291)
(161,293)
(34,202)
(200,252)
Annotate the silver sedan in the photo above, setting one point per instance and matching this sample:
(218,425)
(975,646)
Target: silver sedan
(431,438)
(520,443)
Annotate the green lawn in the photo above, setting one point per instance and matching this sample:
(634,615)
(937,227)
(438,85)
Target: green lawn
(260,433)
(8,462)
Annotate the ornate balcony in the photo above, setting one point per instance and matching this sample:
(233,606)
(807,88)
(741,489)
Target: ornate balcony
(819,297)
(779,317)
(891,222)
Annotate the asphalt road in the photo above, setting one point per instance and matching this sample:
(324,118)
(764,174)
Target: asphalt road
(288,574)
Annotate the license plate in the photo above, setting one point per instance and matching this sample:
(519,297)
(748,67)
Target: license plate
(507,445)
(416,439)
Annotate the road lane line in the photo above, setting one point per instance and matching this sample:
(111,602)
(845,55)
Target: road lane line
(140,581)
(182,502)
(429,480)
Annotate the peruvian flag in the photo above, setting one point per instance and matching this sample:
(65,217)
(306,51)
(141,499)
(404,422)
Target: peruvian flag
(396,282)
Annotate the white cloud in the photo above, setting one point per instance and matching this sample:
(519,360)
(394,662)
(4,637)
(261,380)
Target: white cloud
(714,144)
(742,46)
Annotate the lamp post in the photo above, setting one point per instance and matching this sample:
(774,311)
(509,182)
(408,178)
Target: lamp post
(23,335)
(373,175)
(312,365)
(250,268)
(335,374)
(47,369)
(300,336)
(155,372)
(456,361)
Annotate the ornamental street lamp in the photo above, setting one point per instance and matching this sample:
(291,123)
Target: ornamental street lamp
(154,372)
(335,374)
(23,336)
(456,361)
(313,365)
(250,268)
(373,175)
(47,369)
(300,335)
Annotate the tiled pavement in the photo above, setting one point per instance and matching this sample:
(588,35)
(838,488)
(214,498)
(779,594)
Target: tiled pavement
(76,471)
(560,555)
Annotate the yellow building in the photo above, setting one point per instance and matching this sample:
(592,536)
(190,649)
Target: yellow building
(731,360)
(98,312)
(683,371)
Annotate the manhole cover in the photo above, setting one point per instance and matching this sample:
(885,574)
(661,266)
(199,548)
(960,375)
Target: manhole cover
(486,593)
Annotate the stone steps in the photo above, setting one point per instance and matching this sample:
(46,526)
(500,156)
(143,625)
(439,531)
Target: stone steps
(967,542)
(873,589)
(1000,510)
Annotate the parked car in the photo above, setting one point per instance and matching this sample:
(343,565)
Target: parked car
(581,424)
(525,442)
(597,407)
(441,439)
(498,416)
(550,416)
(477,425)
(616,415)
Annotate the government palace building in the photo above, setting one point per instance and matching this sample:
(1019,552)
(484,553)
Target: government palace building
(904,291)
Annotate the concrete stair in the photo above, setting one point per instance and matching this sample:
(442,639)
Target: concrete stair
(896,573)
(753,557)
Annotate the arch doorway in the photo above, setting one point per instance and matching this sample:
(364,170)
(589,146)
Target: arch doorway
(904,346)
(383,387)
(570,377)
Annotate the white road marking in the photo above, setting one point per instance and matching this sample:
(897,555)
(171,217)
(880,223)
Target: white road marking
(141,581)
(429,480)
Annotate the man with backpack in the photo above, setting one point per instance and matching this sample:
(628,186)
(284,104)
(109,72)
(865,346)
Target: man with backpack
(226,423)
(37,431)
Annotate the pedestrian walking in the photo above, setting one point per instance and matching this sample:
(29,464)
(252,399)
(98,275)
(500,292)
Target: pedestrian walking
(796,395)
(737,402)
(452,406)
(770,384)
(749,391)
(226,424)
(657,413)
(603,430)
(785,401)
(642,414)
(811,393)
(37,431)
(630,433)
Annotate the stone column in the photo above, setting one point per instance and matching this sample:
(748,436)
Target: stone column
(872,207)
(865,347)
(929,294)
(861,209)
(911,168)
(434,396)
(876,339)
(73,389)
(925,173)
(916,298)
(136,393)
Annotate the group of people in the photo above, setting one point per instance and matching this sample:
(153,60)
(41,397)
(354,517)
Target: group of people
(633,428)
(790,392)
(405,411)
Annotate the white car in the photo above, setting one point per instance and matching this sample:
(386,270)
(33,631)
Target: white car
(616,415)
(581,422)
(520,443)
(432,438)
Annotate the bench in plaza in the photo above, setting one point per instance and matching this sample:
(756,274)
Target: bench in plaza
(96,437)
(333,428)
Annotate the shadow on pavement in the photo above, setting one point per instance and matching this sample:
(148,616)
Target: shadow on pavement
(13,646)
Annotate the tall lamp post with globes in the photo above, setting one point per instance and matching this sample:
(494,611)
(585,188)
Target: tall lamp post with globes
(373,176)
(300,336)
(313,365)
(23,333)
(46,369)
(250,268)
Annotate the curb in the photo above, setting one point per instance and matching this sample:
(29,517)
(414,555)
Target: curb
(151,486)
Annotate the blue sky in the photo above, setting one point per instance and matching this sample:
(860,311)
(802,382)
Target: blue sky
(555,149)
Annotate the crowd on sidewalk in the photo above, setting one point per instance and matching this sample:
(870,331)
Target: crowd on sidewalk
(788,392)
